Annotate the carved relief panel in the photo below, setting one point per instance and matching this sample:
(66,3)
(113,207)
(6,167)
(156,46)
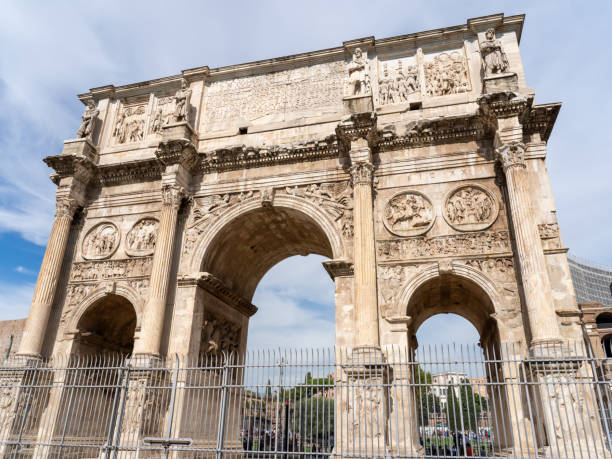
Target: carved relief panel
(253,97)
(446,73)
(470,208)
(130,121)
(409,213)
(397,80)
(141,239)
(100,242)
(162,113)
(218,336)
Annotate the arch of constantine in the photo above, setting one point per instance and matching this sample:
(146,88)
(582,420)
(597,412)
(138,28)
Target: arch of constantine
(415,163)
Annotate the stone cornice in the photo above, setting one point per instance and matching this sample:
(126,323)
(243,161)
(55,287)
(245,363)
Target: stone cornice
(218,289)
(129,172)
(432,131)
(64,165)
(338,268)
(542,119)
(238,157)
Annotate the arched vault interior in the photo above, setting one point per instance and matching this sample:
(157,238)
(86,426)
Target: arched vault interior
(247,247)
(108,326)
(451,294)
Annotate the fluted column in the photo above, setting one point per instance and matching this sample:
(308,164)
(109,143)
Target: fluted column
(536,284)
(366,310)
(155,309)
(44,292)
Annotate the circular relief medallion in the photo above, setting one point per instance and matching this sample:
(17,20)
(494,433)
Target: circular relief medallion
(141,239)
(100,242)
(409,213)
(470,208)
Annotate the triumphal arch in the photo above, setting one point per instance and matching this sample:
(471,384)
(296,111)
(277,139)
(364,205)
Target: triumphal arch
(415,163)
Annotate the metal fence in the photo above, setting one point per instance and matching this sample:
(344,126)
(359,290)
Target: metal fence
(434,401)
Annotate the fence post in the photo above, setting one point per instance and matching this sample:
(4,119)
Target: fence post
(114,412)
(124,390)
(223,407)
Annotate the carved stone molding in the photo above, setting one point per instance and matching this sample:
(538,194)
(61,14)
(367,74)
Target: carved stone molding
(178,151)
(141,238)
(173,195)
(362,173)
(485,242)
(129,172)
(358,126)
(431,132)
(101,241)
(238,157)
(511,155)
(409,213)
(550,235)
(217,288)
(499,268)
(79,167)
(504,104)
(65,207)
(470,208)
(339,268)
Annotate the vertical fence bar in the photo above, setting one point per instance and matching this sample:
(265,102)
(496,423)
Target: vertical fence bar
(222,408)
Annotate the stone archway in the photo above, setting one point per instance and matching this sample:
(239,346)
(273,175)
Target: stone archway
(107,325)
(236,250)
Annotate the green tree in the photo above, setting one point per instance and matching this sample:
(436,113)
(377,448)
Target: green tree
(464,410)
(314,417)
(426,401)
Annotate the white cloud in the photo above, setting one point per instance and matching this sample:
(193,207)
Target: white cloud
(22,270)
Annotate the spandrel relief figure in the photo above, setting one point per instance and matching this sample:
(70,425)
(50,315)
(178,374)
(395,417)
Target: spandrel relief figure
(181,103)
(493,56)
(359,80)
(88,121)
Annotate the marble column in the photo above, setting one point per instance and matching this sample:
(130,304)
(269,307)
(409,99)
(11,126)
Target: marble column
(534,275)
(366,301)
(44,292)
(155,309)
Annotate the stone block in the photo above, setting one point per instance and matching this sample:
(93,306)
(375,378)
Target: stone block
(501,82)
(81,147)
(358,104)
(176,131)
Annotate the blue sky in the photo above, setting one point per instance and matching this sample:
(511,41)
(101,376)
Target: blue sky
(53,50)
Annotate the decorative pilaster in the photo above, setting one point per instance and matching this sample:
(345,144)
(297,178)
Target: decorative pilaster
(505,111)
(155,308)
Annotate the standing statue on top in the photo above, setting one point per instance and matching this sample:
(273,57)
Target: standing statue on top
(88,121)
(359,80)
(493,56)
(181,103)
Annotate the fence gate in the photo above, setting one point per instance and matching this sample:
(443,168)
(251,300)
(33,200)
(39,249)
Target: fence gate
(430,402)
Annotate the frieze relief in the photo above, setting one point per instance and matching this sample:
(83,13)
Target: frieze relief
(252,97)
(130,122)
(484,242)
(141,239)
(100,242)
(447,73)
(470,208)
(409,213)
(111,269)
(396,85)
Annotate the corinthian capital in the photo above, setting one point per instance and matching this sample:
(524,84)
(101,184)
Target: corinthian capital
(362,173)
(173,195)
(511,155)
(65,207)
